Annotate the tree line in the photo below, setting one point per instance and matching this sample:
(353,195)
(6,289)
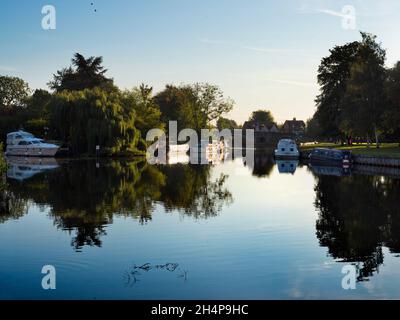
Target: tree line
(84,108)
(359,97)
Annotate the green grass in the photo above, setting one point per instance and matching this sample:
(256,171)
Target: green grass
(386,149)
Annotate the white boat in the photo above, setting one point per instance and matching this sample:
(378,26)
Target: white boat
(207,152)
(20,168)
(287,148)
(184,148)
(206,146)
(25,144)
(178,158)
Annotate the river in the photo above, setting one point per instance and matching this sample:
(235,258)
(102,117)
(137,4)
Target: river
(119,229)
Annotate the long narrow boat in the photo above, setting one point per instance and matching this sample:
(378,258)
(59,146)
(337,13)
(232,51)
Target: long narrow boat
(331,156)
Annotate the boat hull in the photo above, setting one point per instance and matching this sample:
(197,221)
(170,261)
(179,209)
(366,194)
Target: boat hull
(31,152)
(287,156)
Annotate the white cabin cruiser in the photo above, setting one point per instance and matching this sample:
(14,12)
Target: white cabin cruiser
(205,146)
(287,148)
(25,144)
(20,168)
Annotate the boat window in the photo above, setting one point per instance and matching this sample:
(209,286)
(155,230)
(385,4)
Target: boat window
(291,149)
(22,143)
(18,136)
(283,149)
(35,142)
(26,135)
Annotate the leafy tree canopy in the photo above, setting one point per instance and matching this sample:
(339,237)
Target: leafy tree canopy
(262,116)
(85,73)
(352,80)
(224,123)
(13,93)
(94,117)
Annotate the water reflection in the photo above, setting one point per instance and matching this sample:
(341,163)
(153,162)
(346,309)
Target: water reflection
(287,166)
(338,171)
(358,215)
(263,164)
(358,212)
(83,196)
(20,168)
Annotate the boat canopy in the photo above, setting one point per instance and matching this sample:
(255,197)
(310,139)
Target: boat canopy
(22,134)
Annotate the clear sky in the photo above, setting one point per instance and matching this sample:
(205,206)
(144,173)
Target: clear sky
(262,53)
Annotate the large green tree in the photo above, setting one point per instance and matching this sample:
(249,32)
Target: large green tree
(91,117)
(193,106)
(262,116)
(224,123)
(209,104)
(352,98)
(148,114)
(333,74)
(364,99)
(36,115)
(13,93)
(85,73)
(391,118)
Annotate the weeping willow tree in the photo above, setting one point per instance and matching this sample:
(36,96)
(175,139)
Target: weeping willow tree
(93,117)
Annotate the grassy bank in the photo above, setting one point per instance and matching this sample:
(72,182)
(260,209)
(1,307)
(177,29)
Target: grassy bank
(386,149)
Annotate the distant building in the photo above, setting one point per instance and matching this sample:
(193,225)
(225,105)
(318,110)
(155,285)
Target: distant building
(261,127)
(296,127)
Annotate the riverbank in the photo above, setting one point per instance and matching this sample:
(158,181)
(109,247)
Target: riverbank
(387,155)
(391,150)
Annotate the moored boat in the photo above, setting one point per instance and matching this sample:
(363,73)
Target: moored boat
(287,149)
(25,144)
(331,156)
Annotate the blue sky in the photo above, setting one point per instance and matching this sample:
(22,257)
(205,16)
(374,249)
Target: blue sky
(262,53)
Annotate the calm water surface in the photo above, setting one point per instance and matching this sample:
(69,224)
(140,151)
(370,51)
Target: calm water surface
(127,230)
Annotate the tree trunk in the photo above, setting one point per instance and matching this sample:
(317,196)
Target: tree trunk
(376,138)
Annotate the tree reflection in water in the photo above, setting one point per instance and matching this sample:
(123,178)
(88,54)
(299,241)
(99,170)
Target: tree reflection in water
(11,207)
(358,215)
(263,164)
(84,196)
